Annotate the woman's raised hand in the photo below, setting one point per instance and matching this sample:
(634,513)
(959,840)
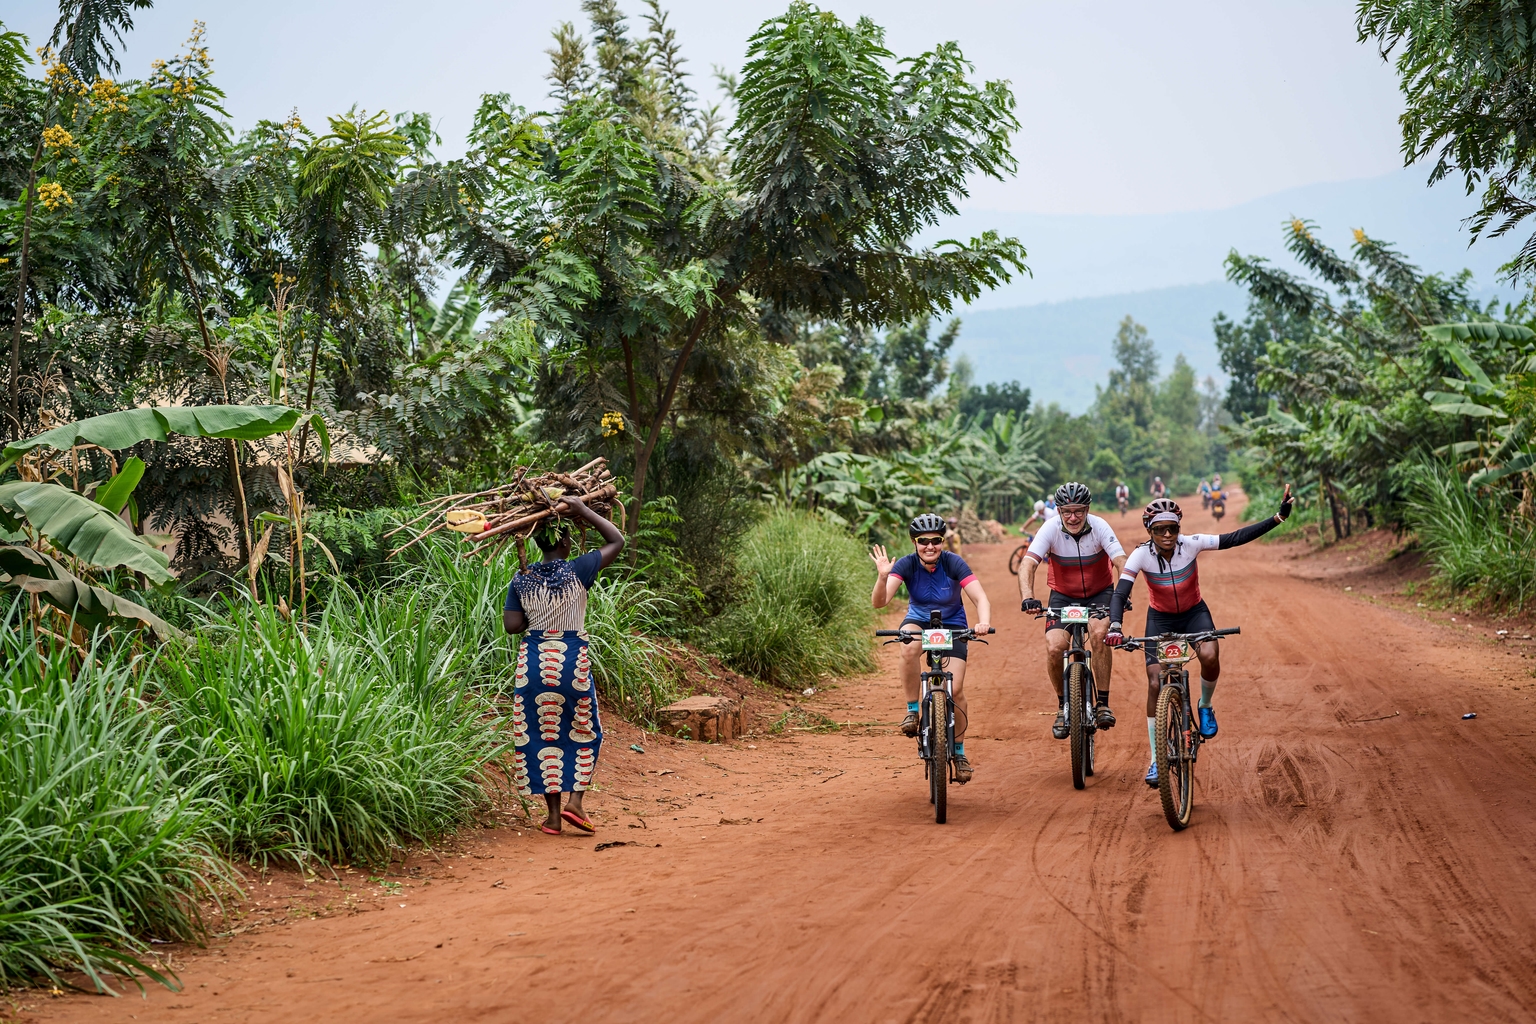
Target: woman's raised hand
(882,561)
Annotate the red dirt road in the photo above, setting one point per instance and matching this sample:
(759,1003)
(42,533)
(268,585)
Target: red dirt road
(1345,863)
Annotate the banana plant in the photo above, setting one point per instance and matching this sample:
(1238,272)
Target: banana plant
(38,514)
(1505,404)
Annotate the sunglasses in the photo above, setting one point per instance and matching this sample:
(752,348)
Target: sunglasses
(1166,528)
(929,542)
(1072,510)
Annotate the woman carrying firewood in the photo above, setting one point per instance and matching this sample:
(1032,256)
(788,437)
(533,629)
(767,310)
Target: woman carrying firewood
(556,731)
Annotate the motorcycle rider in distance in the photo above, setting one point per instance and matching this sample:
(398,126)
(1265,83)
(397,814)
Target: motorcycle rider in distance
(935,580)
(1085,557)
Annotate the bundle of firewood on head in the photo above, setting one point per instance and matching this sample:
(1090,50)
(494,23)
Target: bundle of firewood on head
(517,510)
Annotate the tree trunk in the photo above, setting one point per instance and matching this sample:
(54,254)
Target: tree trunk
(1333,508)
(21,292)
(244,538)
(663,407)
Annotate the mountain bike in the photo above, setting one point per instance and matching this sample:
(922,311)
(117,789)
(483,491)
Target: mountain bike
(936,725)
(1178,739)
(1079,693)
(1017,558)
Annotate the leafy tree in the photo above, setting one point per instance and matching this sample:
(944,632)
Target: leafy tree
(1468,75)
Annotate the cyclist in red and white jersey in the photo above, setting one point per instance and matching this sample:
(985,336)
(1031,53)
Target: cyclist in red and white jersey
(1085,556)
(1173,592)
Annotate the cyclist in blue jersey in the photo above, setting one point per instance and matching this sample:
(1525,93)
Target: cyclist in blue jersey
(935,581)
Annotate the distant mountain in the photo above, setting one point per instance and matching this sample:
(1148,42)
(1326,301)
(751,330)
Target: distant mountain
(1061,350)
(1166,271)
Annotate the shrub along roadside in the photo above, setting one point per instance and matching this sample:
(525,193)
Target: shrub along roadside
(342,743)
(1477,543)
(805,611)
(106,836)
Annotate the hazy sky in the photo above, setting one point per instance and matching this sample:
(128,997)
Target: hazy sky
(1126,107)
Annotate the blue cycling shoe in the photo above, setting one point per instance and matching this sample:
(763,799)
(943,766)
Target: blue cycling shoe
(1152,775)
(1207,722)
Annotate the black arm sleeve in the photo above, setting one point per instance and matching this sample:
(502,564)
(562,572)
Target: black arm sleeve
(1253,531)
(1118,598)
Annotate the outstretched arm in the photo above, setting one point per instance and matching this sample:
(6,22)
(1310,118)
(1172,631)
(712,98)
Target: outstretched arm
(983,607)
(1254,531)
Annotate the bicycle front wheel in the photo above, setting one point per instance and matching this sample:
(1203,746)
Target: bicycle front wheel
(938,746)
(1175,769)
(1077,726)
(1017,558)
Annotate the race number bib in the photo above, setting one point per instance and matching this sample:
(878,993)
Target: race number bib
(1074,613)
(938,639)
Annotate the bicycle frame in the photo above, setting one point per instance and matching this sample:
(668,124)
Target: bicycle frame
(1082,723)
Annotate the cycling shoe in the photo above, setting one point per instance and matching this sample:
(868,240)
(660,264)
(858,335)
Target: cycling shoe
(1207,722)
(963,769)
(1152,775)
(909,724)
(1104,718)
(1059,727)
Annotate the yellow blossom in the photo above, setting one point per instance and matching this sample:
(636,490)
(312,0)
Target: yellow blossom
(1360,238)
(56,136)
(613,423)
(52,195)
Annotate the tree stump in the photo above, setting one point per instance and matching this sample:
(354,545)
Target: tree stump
(704,718)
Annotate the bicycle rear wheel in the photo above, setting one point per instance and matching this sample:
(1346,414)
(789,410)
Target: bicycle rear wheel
(1077,727)
(1175,769)
(938,746)
(1017,558)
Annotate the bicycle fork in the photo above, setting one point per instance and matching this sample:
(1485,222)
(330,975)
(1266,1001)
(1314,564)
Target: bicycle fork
(938,679)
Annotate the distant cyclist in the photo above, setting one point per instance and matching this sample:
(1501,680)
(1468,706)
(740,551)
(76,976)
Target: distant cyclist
(1205,494)
(1159,489)
(1085,556)
(1122,497)
(935,579)
(1173,591)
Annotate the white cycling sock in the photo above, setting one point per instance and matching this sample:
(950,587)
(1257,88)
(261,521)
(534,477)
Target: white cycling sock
(1152,736)
(1207,687)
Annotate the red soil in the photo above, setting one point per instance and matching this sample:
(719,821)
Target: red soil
(1358,852)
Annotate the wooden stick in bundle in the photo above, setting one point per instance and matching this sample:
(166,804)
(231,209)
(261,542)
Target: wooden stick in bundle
(602,493)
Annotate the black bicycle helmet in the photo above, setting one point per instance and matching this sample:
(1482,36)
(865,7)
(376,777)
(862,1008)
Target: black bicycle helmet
(1162,510)
(1073,493)
(925,523)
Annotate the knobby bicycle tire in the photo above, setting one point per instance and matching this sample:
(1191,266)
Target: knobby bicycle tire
(1175,770)
(1017,558)
(1077,727)
(939,747)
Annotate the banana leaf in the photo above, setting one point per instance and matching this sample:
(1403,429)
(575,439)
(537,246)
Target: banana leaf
(114,494)
(22,568)
(80,526)
(128,427)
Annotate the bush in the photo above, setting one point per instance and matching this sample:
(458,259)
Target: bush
(342,743)
(1477,543)
(805,610)
(634,669)
(102,840)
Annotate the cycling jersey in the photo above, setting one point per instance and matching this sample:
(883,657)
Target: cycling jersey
(1173,584)
(936,589)
(1122,493)
(1080,566)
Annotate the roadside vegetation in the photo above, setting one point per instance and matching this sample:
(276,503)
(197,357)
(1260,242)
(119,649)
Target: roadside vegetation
(237,365)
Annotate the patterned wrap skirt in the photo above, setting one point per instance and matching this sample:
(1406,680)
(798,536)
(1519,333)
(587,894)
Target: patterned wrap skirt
(556,731)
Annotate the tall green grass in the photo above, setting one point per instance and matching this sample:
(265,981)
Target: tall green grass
(343,742)
(105,830)
(1478,544)
(805,610)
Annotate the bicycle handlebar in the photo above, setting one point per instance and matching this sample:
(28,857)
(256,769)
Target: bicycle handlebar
(907,636)
(1134,643)
(1095,611)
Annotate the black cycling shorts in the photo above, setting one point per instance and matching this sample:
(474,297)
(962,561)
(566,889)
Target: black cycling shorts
(1062,601)
(960,645)
(1195,620)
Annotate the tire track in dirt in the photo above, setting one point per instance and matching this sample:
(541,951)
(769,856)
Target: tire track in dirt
(1336,868)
